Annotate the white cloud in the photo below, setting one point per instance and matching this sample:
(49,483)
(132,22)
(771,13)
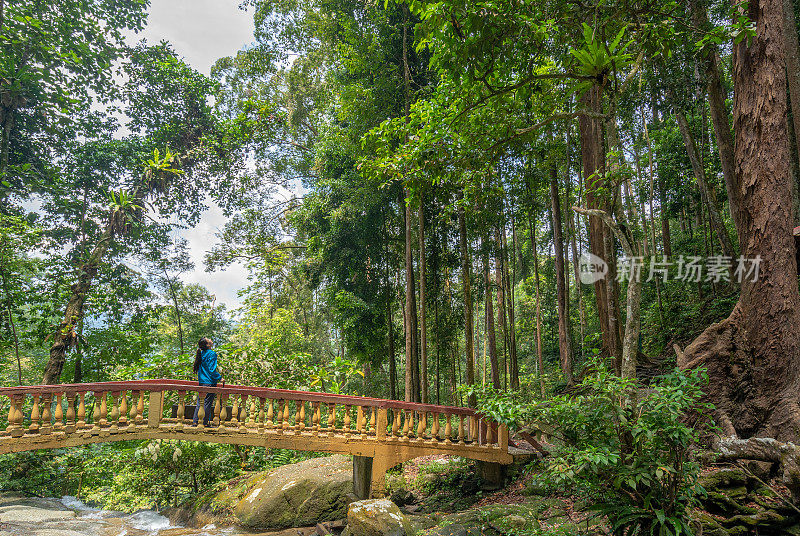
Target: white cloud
(200,30)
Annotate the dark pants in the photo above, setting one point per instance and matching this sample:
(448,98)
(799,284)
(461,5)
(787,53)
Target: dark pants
(208,406)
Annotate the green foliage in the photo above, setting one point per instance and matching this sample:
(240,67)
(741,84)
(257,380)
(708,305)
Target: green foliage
(630,453)
(507,407)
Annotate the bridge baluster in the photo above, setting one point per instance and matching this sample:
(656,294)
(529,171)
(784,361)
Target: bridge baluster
(201,410)
(140,407)
(285,421)
(371,423)
(315,417)
(331,419)
(346,428)
(234,416)
(261,424)
(252,413)
(33,427)
(489,432)
(217,409)
(407,423)
(270,424)
(123,409)
(114,414)
(448,427)
(103,410)
(59,414)
(96,414)
(81,414)
(181,413)
(300,416)
(395,423)
(423,425)
(46,416)
(15,417)
(435,427)
(132,412)
(461,429)
(70,428)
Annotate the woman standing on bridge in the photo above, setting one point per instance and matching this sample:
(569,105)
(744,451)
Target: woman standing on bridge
(205,366)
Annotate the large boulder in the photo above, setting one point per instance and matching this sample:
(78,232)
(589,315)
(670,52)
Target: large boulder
(296,495)
(377,517)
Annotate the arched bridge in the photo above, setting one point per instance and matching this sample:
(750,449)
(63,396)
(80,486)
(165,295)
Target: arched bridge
(388,431)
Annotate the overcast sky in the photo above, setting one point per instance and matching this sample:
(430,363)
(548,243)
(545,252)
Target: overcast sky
(202,31)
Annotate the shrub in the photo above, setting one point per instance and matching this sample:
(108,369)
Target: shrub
(630,454)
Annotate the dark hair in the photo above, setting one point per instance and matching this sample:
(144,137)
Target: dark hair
(202,344)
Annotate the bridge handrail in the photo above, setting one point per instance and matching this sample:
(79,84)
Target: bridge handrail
(164,384)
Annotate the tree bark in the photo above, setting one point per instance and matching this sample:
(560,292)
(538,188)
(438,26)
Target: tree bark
(715,216)
(422,317)
(564,338)
(465,283)
(600,241)
(753,356)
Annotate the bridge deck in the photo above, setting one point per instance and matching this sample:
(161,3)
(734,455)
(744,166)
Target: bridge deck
(389,431)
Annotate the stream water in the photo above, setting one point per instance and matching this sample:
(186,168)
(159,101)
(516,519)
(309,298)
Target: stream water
(22,516)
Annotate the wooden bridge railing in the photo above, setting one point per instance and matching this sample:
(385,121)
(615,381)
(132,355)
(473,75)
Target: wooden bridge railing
(50,416)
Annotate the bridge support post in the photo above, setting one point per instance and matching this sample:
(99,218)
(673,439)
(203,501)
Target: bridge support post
(155,408)
(362,476)
(492,474)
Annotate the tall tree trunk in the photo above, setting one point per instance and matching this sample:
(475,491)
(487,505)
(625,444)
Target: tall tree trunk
(77,377)
(662,192)
(719,113)
(422,299)
(753,356)
(491,345)
(573,233)
(564,338)
(438,345)
(465,283)
(715,215)
(601,242)
(512,325)
(65,336)
(499,273)
(411,392)
(392,363)
(539,359)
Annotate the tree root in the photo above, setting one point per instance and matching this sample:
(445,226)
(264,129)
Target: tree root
(767,450)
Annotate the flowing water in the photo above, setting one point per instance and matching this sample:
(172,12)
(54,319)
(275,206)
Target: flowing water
(22,516)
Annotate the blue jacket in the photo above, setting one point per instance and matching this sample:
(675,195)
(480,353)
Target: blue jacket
(208,374)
